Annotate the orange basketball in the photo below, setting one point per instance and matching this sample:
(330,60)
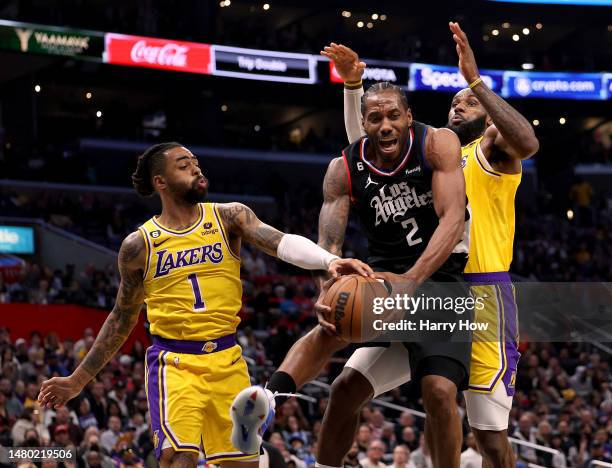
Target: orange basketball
(350,299)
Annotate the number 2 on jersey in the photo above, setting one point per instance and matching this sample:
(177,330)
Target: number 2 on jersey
(410,236)
(198,304)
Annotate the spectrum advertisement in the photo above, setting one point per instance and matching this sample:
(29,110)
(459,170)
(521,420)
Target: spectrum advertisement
(429,77)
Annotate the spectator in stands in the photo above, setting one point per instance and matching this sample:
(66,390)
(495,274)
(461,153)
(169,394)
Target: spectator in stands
(86,417)
(109,438)
(292,430)
(63,417)
(13,405)
(525,432)
(374,455)
(364,437)
(421,457)
(401,458)
(409,438)
(470,457)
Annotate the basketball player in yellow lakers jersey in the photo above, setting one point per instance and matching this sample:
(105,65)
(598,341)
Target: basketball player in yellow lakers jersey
(494,138)
(185,265)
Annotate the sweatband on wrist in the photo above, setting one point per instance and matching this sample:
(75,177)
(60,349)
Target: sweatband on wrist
(475,82)
(304,253)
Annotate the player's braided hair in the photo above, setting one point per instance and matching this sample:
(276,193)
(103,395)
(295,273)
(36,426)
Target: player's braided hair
(150,163)
(384,86)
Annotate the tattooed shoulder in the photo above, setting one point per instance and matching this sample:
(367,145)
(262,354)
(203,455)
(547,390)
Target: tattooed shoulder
(336,179)
(236,215)
(132,251)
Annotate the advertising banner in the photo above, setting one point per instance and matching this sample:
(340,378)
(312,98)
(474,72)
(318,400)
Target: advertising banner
(442,78)
(554,85)
(16,240)
(40,39)
(377,71)
(158,53)
(266,65)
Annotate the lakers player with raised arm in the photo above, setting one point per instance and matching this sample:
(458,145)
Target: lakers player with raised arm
(185,265)
(495,138)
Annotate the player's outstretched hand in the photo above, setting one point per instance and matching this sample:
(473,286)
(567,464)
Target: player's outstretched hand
(467,61)
(347,266)
(57,391)
(346,61)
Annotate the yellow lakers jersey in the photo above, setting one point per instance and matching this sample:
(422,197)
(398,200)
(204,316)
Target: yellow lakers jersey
(491,199)
(192,279)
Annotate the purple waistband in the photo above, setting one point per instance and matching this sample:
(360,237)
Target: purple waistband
(496,277)
(195,347)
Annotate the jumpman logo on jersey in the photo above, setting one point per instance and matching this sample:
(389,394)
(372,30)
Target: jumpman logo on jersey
(370,181)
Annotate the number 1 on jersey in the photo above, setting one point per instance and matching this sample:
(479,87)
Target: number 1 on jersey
(199,303)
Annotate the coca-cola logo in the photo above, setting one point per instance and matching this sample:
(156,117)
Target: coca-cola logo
(168,55)
(150,52)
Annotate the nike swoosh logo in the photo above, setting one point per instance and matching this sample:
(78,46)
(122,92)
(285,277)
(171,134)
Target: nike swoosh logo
(235,361)
(160,243)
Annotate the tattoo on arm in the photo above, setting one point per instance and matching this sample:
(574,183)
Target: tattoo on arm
(124,315)
(517,132)
(242,220)
(334,214)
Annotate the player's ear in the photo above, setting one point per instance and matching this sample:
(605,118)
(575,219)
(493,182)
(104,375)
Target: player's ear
(489,121)
(159,182)
(409,116)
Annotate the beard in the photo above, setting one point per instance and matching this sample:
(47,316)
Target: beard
(469,130)
(191,195)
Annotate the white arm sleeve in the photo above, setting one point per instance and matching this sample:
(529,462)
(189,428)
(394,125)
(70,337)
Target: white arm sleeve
(352,114)
(304,253)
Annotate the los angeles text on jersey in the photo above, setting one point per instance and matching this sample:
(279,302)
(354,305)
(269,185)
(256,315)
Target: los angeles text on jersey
(395,200)
(168,261)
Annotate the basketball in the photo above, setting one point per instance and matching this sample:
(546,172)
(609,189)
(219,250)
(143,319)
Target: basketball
(350,299)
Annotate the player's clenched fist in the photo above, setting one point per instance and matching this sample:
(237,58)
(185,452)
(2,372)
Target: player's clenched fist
(57,391)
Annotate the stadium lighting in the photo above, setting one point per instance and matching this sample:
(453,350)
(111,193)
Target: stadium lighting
(527,66)
(562,120)
(539,25)
(485,38)
(88,95)
(610,28)
(224,108)
(526,31)
(505,25)
(495,32)
(516,37)
(266,6)
(360,24)
(383,17)
(370,25)
(570,214)
(346,14)
(99,114)
(374,16)
(257,128)
(37,88)
(536,122)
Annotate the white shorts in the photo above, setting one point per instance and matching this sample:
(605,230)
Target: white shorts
(488,411)
(388,368)
(385,368)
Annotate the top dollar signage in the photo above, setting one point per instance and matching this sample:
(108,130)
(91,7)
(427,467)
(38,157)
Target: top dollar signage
(157,53)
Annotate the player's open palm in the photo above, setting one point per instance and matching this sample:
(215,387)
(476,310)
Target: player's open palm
(58,391)
(345,60)
(467,61)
